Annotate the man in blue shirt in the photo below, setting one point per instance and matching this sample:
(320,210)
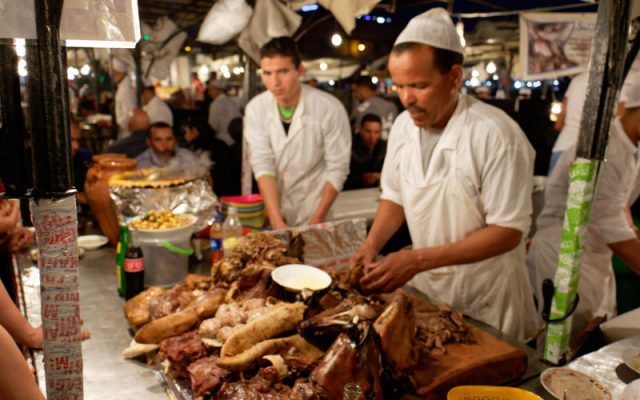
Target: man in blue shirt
(163,152)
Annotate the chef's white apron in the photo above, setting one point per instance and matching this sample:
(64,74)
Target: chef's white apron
(495,291)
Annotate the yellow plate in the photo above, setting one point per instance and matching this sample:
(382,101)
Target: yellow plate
(490,393)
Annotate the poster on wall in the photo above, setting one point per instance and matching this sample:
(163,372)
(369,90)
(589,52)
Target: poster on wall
(85,23)
(555,44)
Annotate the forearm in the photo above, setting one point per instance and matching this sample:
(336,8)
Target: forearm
(629,252)
(269,191)
(13,321)
(329,194)
(16,381)
(389,218)
(485,243)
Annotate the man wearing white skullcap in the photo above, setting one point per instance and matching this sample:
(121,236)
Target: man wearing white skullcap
(125,99)
(610,228)
(460,173)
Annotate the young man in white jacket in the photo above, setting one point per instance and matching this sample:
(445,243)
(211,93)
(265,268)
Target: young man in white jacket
(460,173)
(299,140)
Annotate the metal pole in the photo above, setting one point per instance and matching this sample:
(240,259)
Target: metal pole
(137,59)
(53,210)
(605,78)
(15,151)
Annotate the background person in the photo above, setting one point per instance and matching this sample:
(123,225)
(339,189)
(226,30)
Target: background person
(610,229)
(163,152)
(136,143)
(226,164)
(156,109)
(370,103)
(125,99)
(299,140)
(221,111)
(568,122)
(367,154)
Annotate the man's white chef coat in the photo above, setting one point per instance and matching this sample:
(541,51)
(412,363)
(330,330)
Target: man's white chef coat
(317,149)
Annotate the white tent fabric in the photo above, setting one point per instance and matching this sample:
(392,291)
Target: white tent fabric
(270,19)
(336,69)
(162,57)
(345,11)
(225,20)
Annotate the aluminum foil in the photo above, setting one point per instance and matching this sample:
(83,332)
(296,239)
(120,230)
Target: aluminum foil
(606,365)
(193,197)
(329,244)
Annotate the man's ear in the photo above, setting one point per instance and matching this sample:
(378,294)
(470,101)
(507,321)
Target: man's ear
(456,74)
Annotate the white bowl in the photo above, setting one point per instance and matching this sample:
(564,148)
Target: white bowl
(159,236)
(297,277)
(92,242)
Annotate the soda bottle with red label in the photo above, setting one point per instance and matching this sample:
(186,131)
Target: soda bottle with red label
(133,269)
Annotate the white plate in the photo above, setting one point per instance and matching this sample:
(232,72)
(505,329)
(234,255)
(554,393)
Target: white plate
(632,359)
(300,276)
(577,385)
(92,242)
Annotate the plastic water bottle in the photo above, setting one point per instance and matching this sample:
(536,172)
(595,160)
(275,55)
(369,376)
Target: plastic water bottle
(231,231)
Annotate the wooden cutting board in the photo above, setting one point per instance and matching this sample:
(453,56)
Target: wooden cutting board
(488,361)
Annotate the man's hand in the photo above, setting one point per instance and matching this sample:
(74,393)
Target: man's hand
(363,257)
(391,272)
(280,224)
(371,178)
(19,239)
(9,215)
(35,338)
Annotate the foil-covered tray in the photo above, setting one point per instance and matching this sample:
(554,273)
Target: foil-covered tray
(184,194)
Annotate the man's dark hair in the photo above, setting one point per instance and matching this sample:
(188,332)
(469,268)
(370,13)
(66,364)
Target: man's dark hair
(158,125)
(282,46)
(443,59)
(364,81)
(370,118)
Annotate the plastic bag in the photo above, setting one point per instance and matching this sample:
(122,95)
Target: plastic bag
(225,20)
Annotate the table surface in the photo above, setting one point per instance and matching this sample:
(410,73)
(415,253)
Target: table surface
(107,375)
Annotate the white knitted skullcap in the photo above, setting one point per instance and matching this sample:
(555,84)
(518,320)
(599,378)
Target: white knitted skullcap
(433,28)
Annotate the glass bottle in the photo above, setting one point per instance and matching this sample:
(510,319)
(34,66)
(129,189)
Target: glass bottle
(133,269)
(121,250)
(216,237)
(352,391)
(231,231)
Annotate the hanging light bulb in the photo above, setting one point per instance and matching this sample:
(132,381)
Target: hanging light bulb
(460,30)
(336,39)
(85,70)
(491,67)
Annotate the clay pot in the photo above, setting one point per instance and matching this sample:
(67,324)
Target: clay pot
(96,188)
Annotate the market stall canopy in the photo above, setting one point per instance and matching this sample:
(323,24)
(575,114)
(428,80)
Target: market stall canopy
(327,69)
(114,24)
